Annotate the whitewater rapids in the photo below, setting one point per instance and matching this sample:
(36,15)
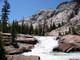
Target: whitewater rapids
(44,50)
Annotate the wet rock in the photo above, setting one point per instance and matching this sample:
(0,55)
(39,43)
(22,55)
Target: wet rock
(64,47)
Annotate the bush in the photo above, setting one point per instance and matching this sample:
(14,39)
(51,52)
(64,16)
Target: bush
(2,50)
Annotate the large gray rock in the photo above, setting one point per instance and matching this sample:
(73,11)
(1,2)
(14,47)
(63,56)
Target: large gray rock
(27,40)
(19,51)
(21,57)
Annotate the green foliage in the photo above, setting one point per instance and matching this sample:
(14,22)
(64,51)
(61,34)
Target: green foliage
(0,25)
(40,30)
(36,31)
(70,31)
(22,27)
(17,27)
(31,29)
(4,16)
(62,23)
(66,33)
(59,25)
(73,30)
(53,26)
(71,16)
(2,50)
(13,35)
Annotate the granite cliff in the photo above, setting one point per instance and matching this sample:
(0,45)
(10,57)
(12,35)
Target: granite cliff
(67,13)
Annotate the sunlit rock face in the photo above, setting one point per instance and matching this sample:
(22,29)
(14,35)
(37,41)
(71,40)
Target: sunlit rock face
(67,12)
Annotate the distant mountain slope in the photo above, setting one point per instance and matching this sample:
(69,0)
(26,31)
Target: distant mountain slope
(66,12)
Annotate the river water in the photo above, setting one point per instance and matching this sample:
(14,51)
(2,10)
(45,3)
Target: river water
(44,50)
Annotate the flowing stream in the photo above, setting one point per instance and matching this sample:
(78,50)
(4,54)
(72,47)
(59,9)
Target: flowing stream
(44,50)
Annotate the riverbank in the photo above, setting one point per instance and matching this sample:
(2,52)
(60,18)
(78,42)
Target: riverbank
(68,43)
(40,48)
(25,43)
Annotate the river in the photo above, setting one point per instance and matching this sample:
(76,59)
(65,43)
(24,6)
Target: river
(44,50)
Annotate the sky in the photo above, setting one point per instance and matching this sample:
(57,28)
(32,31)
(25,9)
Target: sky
(25,8)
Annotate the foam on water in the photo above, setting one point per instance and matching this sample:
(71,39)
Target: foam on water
(44,50)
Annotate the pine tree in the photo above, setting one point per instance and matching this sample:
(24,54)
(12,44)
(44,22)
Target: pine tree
(59,25)
(4,16)
(53,26)
(59,34)
(27,29)
(70,30)
(39,30)
(9,26)
(0,25)
(50,28)
(22,27)
(2,50)
(73,30)
(17,28)
(63,23)
(36,31)
(31,29)
(13,35)
(44,26)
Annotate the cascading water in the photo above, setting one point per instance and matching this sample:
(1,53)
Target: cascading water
(44,50)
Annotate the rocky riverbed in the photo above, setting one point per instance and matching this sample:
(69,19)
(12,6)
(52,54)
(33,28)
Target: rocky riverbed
(27,43)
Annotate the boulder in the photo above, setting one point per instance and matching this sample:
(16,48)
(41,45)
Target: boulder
(23,35)
(65,47)
(21,57)
(24,49)
(27,40)
(19,51)
(75,39)
(7,43)
(15,52)
(68,43)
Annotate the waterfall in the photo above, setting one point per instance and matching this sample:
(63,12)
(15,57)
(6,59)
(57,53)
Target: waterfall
(45,45)
(44,49)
